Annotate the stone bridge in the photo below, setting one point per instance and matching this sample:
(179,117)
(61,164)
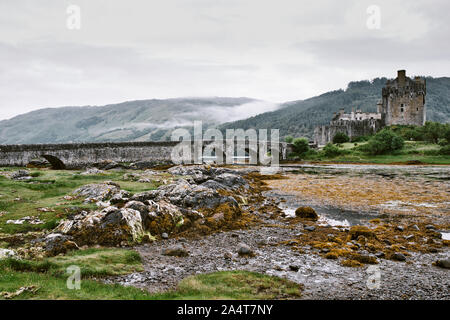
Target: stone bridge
(81,155)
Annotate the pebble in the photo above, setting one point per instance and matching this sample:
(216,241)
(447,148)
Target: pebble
(310,228)
(164,235)
(244,249)
(294,268)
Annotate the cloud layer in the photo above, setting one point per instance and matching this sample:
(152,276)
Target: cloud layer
(271,50)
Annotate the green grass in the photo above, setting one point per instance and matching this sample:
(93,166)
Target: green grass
(53,287)
(242,285)
(412,152)
(219,285)
(21,199)
(93,262)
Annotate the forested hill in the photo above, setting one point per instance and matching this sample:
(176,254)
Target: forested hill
(298,118)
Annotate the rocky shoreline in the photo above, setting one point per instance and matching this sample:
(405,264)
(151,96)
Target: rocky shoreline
(203,219)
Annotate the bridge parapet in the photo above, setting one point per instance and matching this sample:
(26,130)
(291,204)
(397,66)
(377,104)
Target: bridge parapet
(79,155)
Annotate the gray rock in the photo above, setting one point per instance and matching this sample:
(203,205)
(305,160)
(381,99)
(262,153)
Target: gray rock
(111,225)
(309,228)
(398,256)
(379,254)
(120,198)
(7,253)
(400,228)
(430,227)
(294,268)
(97,191)
(21,175)
(244,249)
(228,255)
(415,227)
(443,263)
(176,251)
(56,243)
(164,235)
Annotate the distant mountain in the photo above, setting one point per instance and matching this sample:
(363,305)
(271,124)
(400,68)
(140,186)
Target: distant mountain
(153,120)
(143,120)
(299,118)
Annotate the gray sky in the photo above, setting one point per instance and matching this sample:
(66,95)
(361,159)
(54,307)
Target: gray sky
(272,50)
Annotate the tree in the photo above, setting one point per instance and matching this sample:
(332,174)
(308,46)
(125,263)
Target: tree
(384,142)
(340,137)
(301,145)
(331,151)
(289,139)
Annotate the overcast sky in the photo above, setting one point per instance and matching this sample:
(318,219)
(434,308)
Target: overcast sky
(272,50)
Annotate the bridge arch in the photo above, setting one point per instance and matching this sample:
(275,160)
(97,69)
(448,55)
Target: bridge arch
(56,163)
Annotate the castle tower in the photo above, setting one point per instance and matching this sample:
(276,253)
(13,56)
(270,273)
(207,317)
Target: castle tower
(403,101)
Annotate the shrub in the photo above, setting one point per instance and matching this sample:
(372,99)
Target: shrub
(301,145)
(340,137)
(289,139)
(360,138)
(383,142)
(445,150)
(443,142)
(330,150)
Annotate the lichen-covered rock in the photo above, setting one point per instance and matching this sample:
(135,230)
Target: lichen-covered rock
(163,217)
(7,253)
(306,213)
(120,198)
(20,175)
(357,231)
(108,226)
(92,171)
(186,195)
(56,243)
(97,191)
(231,180)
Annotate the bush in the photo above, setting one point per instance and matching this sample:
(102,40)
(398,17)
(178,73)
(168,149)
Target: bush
(331,151)
(340,137)
(301,145)
(443,142)
(360,139)
(383,142)
(289,139)
(445,150)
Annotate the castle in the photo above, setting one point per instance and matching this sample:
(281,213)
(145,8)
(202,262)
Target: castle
(402,102)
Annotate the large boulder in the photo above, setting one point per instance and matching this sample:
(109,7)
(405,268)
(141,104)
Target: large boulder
(7,253)
(108,226)
(306,213)
(231,180)
(186,195)
(97,191)
(20,175)
(56,243)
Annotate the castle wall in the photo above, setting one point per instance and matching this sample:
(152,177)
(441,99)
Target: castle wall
(352,128)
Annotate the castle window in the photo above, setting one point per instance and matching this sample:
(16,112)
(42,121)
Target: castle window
(402,107)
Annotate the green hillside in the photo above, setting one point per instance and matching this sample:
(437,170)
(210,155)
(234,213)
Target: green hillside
(142,120)
(298,118)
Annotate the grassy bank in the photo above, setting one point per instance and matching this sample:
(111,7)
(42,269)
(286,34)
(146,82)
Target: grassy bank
(49,282)
(412,152)
(46,190)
